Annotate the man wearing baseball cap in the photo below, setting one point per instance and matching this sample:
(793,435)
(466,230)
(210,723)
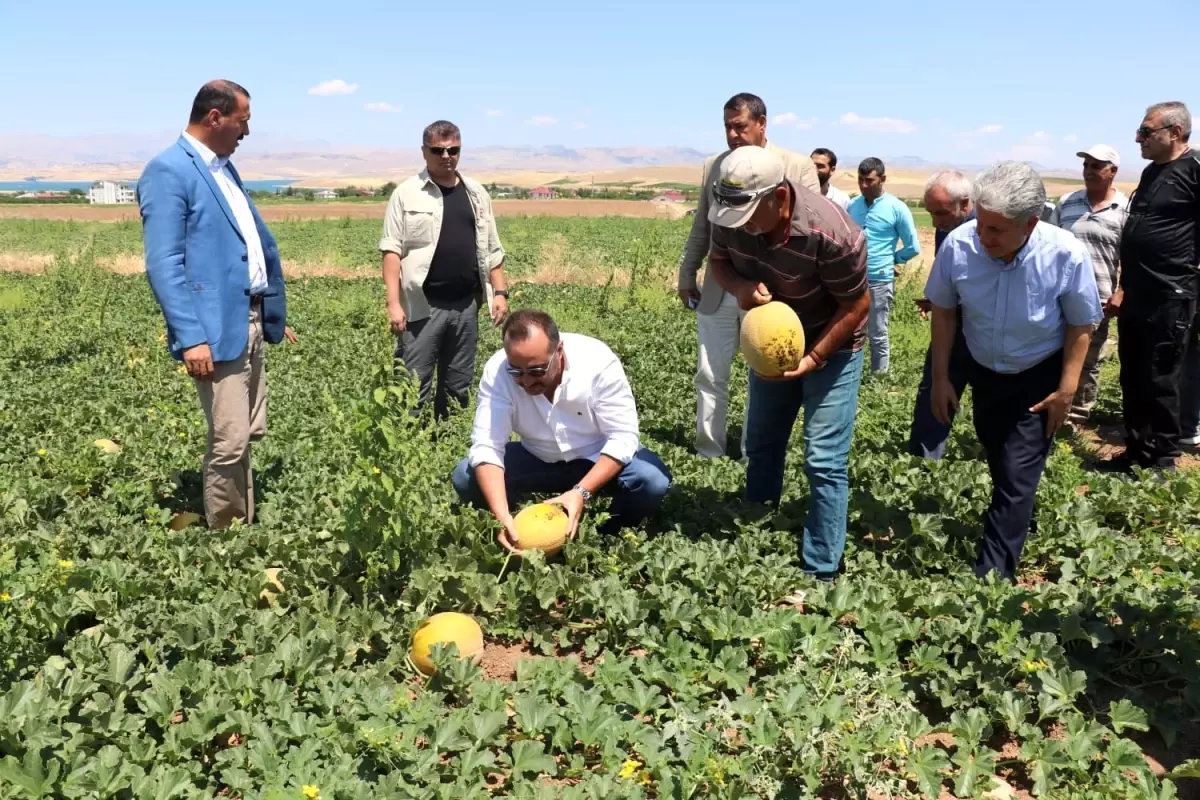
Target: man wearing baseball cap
(1096,214)
(774,240)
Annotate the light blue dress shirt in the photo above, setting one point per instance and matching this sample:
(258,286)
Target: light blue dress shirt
(1015,315)
(885,221)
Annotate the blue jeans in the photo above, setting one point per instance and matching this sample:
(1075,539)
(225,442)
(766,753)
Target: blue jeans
(877,324)
(637,491)
(830,400)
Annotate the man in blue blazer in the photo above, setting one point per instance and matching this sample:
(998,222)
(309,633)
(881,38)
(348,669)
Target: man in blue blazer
(214,268)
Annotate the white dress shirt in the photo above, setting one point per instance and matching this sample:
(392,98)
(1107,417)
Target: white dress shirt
(838,196)
(240,205)
(593,412)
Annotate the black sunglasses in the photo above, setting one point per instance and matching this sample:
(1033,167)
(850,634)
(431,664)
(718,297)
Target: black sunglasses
(726,195)
(533,372)
(1144,131)
(437,151)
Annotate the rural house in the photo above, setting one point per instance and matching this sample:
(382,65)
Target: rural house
(670,196)
(542,193)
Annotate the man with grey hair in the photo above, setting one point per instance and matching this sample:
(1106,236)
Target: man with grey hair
(1156,300)
(1096,215)
(948,201)
(1029,300)
(442,260)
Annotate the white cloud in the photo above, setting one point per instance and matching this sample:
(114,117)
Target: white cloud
(793,120)
(542,120)
(1071,138)
(579,125)
(336,86)
(986,130)
(386,107)
(877,124)
(495,112)
(1034,147)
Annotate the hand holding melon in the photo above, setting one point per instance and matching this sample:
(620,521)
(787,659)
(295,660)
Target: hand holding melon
(541,526)
(772,341)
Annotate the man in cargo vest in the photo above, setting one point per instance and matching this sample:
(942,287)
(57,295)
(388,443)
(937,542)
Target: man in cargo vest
(566,397)
(776,240)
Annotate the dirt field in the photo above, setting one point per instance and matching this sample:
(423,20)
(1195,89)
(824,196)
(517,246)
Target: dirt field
(335,210)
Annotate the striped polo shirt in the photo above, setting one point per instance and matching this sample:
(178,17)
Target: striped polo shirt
(1100,232)
(824,260)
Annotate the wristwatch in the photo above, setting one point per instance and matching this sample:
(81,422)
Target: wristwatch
(586,494)
(501,293)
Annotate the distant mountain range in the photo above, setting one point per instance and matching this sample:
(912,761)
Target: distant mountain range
(265,156)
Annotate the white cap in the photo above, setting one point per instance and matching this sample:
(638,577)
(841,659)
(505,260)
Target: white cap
(1102,152)
(747,175)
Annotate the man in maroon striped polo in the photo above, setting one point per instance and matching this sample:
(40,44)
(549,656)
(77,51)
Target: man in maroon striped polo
(774,240)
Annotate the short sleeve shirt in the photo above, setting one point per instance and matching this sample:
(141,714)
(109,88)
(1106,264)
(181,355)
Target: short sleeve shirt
(823,260)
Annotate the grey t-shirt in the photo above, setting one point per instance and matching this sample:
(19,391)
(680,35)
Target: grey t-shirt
(1099,231)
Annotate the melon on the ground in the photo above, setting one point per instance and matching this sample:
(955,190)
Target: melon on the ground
(772,339)
(542,526)
(446,627)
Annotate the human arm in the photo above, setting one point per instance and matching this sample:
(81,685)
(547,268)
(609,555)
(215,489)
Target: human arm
(490,432)
(906,230)
(499,309)
(616,416)
(943,297)
(391,244)
(163,203)
(720,268)
(1080,303)
(696,245)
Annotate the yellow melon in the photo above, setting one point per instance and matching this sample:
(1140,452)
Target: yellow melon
(446,627)
(542,526)
(772,339)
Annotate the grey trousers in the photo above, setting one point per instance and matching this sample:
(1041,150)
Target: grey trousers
(443,342)
(1089,379)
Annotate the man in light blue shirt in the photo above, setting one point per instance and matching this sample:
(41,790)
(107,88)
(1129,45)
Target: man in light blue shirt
(885,219)
(1029,301)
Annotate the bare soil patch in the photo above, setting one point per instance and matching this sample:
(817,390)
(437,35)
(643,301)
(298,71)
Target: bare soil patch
(277,212)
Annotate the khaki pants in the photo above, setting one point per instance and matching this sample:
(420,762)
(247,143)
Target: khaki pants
(235,403)
(718,333)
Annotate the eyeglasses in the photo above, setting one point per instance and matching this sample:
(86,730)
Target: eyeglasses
(437,151)
(726,195)
(1144,131)
(533,372)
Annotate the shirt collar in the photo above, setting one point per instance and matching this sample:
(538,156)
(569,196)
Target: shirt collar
(209,158)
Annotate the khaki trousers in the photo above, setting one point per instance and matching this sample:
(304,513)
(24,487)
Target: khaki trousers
(235,404)
(718,333)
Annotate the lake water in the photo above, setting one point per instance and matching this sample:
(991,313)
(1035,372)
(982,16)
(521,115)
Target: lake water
(66,186)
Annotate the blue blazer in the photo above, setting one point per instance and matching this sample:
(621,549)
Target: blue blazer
(196,258)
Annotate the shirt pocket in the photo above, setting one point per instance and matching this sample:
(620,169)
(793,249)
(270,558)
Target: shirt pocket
(418,227)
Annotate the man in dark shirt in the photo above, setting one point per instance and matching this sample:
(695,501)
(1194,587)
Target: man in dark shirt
(774,240)
(1156,298)
(442,262)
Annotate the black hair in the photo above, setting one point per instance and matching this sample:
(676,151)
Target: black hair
(757,108)
(221,95)
(825,151)
(869,165)
(441,129)
(521,323)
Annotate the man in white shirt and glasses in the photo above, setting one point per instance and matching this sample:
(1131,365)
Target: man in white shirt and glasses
(568,400)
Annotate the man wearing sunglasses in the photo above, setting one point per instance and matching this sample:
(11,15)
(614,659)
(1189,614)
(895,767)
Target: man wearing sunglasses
(718,318)
(442,259)
(566,397)
(1156,301)
(774,240)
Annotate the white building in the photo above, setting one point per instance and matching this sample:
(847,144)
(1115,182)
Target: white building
(325,194)
(112,192)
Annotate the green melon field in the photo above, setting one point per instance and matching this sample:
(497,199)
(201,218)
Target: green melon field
(142,659)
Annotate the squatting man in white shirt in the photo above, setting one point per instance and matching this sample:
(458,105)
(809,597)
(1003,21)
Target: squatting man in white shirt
(566,397)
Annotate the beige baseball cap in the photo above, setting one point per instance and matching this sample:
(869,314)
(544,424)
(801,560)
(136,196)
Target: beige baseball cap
(1102,152)
(747,175)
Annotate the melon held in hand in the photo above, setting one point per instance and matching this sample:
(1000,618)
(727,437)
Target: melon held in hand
(772,339)
(542,526)
(443,628)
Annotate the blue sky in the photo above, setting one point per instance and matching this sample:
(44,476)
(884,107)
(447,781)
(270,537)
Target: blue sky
(961,83)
